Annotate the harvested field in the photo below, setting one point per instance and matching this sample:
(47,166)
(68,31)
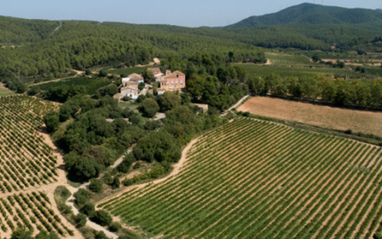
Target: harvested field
(324,116)
(256,179)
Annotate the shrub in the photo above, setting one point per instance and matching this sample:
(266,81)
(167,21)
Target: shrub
(246,114)
(141,86)
(81,197)
(52,121)
(80,220)
(125,98)
(137,165)
(102,73)
(115,226)
(149,107)
(100,235)
(116,183)
(95,185)
(102,217)
(349,131)
(128,182)
(88,209)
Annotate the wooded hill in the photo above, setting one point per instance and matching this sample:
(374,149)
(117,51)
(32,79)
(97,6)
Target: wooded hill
(33,49)
(308,13)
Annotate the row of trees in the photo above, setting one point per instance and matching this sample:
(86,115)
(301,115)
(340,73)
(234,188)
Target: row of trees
(356,93)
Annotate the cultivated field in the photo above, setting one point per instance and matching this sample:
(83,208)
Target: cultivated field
(256,179)
(28,169)
(294,64)
(89,84)
(324,116)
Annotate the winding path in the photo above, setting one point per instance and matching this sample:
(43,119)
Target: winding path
(176,168)
(235,105)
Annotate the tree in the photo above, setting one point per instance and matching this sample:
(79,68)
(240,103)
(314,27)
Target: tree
(149,107)
(102,73)
(316,58)
(148,76)
(102,217)
(81,197)
(256,85)
(80,220)
(95,185)
(168,100)
(294,87)
(109,90)
(45,235)
(141,86)
(21,233)
(115,226)
(116,183)
(52,121)
(100,235)
(88,209)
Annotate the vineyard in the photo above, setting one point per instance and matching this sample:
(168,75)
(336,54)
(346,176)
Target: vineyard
(25,160)
(32,211)
(256,179)
(27,168)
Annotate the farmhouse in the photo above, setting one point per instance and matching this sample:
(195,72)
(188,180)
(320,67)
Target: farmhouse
(133,78)
(156,71)
(175,81)
(130,90)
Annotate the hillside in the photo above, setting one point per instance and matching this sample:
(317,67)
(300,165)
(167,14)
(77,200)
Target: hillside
(32,50)
(308,13)
(47,49)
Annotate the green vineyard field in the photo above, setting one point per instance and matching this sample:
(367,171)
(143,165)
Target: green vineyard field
(257,179)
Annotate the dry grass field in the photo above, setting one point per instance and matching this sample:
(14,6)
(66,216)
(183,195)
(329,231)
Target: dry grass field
(324,116)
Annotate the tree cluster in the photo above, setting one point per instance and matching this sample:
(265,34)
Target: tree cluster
(355,93)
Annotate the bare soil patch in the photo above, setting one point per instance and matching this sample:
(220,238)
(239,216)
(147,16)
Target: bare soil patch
(323,116)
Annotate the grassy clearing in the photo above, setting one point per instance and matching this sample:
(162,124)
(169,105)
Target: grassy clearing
(255,179)
(5,91)
(365,122)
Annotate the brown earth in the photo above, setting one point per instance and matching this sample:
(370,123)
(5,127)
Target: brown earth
(324,116)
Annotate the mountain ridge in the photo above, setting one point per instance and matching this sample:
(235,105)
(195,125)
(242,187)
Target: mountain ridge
(308,13)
